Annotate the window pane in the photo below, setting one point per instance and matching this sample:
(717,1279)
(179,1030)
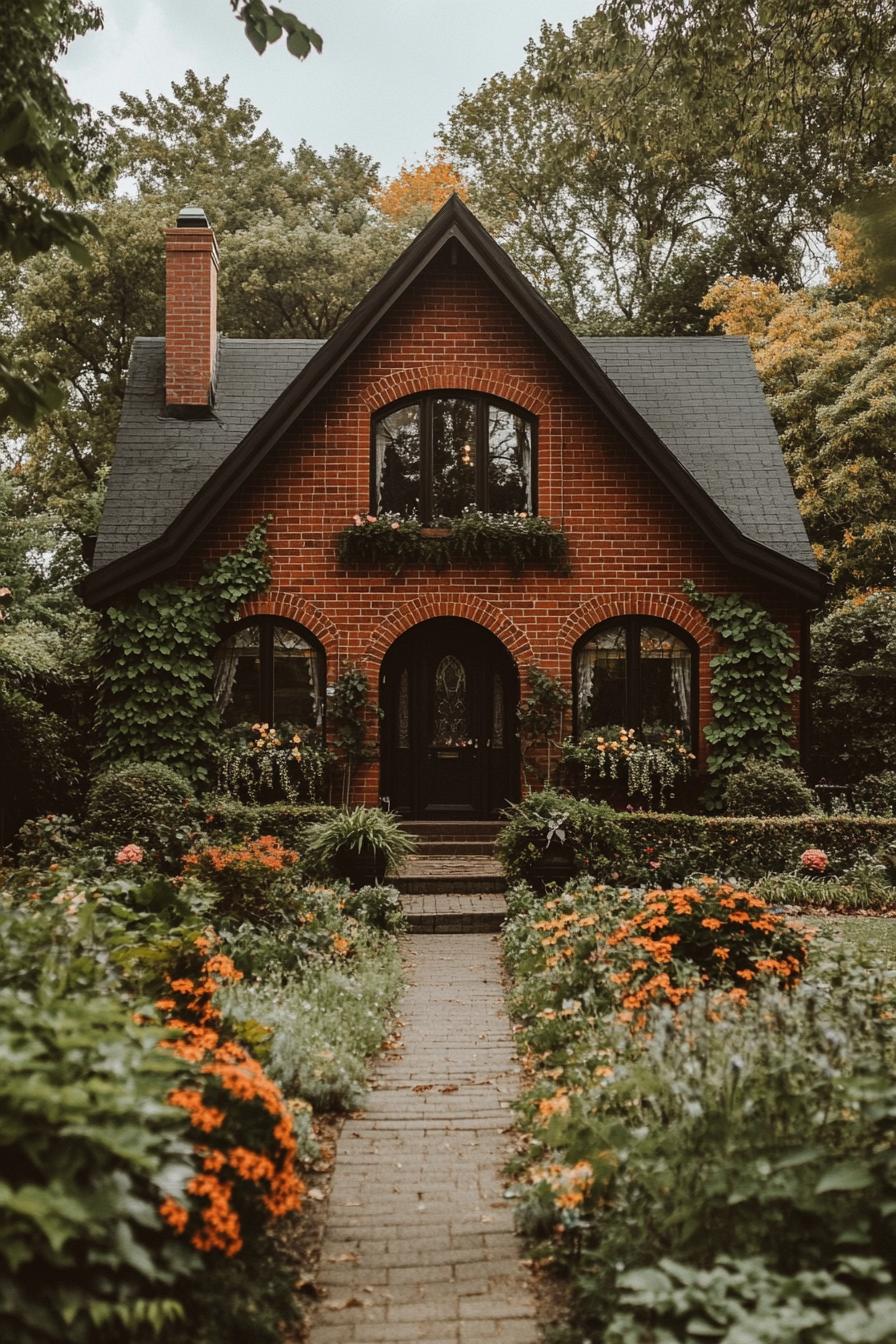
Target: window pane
(454,450)
(601,680)
(509,462)
(665,672)
(238,676)
(398,462)
(449,714)
(296,691)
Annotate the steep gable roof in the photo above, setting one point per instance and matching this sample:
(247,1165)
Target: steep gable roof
(746,506)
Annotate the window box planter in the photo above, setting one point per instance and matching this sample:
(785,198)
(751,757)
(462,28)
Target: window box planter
(471,540)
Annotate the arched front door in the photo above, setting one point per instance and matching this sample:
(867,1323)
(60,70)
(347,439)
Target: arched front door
(448,693)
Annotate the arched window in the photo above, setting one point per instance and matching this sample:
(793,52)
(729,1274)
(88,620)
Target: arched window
(445,452)
(270,670)
(636,672)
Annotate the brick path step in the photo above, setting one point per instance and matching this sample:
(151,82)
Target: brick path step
(481,912)
(464,873)
(448,848)
(420,1244)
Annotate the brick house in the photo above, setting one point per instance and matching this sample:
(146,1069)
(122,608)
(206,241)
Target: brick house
(453,386)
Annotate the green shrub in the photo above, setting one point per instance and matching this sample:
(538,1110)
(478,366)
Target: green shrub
(140,803)
(47,839)
(680,845)
(854,689)
(590,832)
(334,845)
(234,821)
(876,795)
(867,890)
(90,1148)
(246,876)
(379,907)
(761,788)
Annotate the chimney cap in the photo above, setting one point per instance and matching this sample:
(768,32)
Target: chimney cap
(193,217)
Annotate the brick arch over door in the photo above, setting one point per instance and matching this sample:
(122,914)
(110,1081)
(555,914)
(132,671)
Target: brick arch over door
(290,607)
(469,378)
(429,608)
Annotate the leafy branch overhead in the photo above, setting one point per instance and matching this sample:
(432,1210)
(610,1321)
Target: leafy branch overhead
(266,24)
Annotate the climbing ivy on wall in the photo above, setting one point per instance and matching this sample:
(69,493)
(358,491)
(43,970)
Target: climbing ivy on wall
(157,663)
(752,685)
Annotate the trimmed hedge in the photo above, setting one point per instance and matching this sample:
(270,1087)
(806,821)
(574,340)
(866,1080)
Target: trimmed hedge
(752,847)
(232,820)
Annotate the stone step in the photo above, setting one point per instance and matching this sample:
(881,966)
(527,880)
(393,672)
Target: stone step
(453,830)
(441,912)
(446,849)
(455,873)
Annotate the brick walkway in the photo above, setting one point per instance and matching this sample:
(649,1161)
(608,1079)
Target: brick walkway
(420,1243)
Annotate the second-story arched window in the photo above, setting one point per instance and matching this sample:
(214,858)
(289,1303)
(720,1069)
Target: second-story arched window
(444,452)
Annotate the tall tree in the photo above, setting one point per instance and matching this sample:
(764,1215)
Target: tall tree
(827,360)
(300,240)
(420,189)
(660,143)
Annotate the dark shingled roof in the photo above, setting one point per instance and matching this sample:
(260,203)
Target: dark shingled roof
(701,396)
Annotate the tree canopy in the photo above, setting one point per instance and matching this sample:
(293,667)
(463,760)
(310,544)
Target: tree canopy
(662,143)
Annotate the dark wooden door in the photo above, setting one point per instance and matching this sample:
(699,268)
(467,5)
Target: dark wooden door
(449,746)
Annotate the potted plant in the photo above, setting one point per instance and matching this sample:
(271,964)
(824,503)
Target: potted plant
(551,836)
(361,845)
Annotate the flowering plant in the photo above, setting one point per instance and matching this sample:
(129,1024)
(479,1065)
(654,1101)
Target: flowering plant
(814,861)
(244,874)
(263,762)
(129,854)
(245,1152)
(649,769)
(472,538)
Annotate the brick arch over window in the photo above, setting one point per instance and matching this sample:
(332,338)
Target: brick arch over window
(660,606)
(428,608)
(471,378)
(291,607)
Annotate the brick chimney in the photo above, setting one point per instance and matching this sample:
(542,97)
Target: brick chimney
(191,312)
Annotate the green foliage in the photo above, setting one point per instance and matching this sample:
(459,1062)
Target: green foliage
(249,877)
(748,848)
(876,795)
(854,690)
(473,539)
(549,823)
(92,1147)
(48,149)
(767,789)
(325,1022)
(266,24)
(332,847)
(635,158)
(752,686)
(236,821)
(138,804)
(157,655)
(379,907)
(540,717)
(346,709)
(864,887)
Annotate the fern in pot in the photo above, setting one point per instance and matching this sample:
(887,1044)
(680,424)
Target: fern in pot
(362,845)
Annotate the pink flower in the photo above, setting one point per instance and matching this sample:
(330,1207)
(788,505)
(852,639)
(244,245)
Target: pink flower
(395,527)
(653,863)
(813,861)
(357,520)
(371,517)
(129,854)
(5,592)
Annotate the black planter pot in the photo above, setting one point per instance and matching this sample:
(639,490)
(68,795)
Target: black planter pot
(363,868)
(557,864)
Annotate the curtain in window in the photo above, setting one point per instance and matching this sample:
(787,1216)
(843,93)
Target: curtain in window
(237,678)
(601,679)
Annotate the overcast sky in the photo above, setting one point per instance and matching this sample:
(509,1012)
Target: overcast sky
(389,73)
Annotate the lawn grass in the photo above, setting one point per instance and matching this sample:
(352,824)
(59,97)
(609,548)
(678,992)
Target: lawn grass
(869,935)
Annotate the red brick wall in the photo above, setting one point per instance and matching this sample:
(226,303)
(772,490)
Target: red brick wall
(631,548)
(191,315)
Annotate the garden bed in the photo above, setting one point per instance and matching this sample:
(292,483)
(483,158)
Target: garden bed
(709,1134)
